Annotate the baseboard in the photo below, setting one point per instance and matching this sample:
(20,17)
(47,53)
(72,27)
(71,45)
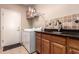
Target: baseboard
(5,48)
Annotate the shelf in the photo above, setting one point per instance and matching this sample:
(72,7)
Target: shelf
(34,15)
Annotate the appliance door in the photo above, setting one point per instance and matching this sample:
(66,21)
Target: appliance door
(26,39)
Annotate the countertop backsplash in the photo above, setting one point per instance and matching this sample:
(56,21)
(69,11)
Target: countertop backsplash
(68,22)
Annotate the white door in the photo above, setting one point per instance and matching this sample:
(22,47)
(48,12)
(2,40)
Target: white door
(10,27)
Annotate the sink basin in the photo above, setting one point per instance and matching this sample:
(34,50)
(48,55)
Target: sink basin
(57,32)
(69,33)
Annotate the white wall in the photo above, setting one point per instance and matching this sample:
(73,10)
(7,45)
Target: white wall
(22,10)
(53,11)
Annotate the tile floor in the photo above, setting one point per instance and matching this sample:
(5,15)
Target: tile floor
(18,50)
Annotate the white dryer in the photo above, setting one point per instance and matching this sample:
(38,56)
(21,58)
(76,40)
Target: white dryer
(28,39)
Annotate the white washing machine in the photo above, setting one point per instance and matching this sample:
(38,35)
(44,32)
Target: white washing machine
(28,39)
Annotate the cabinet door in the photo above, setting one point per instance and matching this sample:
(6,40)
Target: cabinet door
(45,46)
(72,51)
(38,45)
(52,48)
(59,49)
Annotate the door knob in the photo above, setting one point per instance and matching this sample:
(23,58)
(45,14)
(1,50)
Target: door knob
(18,29)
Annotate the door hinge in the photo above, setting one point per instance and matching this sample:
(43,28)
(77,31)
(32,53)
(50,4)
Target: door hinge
(2,14)
(2,41)
(2,27)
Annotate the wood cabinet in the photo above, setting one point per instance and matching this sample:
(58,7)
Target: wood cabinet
(48,44)
(52,48)
(58,48)
(38,42)
(73,46)
(45,46)
(38,45)
(72,51)
(56,44)
(73,42)
(58,39)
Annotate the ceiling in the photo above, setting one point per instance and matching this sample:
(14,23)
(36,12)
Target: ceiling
(32,5)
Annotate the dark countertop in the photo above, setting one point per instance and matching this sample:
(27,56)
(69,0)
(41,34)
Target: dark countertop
(66,34)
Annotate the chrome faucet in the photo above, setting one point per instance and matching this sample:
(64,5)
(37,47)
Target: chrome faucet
(59,26)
